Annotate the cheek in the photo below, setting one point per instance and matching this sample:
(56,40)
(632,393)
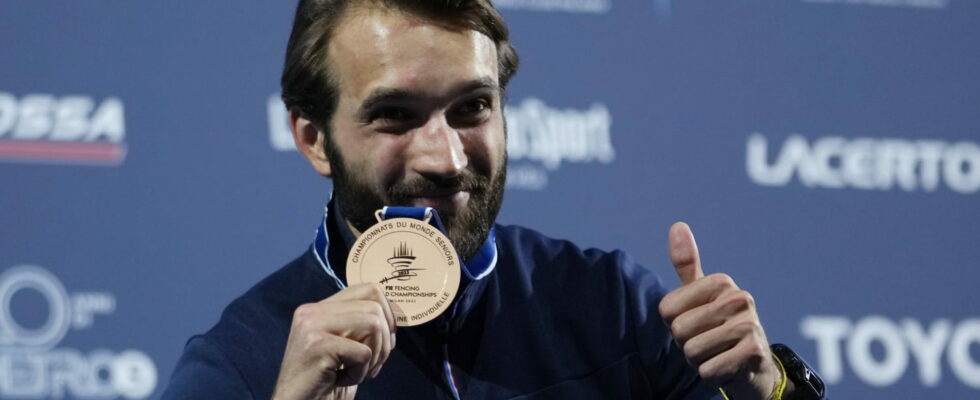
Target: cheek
(372,159)
(484,155)
(385,161)
(493,145)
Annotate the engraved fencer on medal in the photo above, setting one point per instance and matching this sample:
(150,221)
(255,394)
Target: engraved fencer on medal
(413,260)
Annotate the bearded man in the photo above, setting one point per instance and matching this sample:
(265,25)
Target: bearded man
(400,104)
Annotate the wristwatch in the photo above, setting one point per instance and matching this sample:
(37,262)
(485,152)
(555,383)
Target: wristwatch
(807,384)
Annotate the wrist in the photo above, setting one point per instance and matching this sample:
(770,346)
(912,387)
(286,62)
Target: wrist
(767,384)
(794,379)
(782,381)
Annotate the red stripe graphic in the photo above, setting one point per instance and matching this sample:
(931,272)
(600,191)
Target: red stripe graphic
(37,150)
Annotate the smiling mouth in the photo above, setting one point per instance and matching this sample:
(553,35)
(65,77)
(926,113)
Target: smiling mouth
(443,201)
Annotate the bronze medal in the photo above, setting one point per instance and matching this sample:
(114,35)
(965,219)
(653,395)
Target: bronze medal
(415,263)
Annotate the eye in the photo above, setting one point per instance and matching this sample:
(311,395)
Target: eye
(391,114)
(473,107)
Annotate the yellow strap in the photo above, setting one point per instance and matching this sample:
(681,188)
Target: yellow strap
(777,392)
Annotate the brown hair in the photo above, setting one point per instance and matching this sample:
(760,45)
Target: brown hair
(306,81)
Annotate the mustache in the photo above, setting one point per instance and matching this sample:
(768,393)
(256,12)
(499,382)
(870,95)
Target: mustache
(421,186)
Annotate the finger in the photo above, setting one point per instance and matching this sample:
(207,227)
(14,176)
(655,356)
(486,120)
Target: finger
(701,292)
(352,357)
(364,322)
(360,291)
(389,316)
(740,361)
(694,322)
(684,253)
(710,344)
(366,291)
(731,305)
(387,343)
(377,336)
(384,334)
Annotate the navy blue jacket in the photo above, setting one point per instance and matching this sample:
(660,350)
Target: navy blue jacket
(550,322)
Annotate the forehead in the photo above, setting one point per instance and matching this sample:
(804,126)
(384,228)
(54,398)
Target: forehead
(374,47)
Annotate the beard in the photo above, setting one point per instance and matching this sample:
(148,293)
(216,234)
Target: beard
(467,228)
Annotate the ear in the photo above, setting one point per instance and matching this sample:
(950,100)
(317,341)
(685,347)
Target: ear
(309,141)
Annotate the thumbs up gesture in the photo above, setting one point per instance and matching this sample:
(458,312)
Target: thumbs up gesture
(716,325)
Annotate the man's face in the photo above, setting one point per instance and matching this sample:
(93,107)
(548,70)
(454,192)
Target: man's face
(418,122)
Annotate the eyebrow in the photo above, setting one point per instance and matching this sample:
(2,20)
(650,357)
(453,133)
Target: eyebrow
(385,94)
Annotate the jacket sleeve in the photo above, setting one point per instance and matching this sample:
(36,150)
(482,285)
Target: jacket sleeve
(669,374)
(205,372)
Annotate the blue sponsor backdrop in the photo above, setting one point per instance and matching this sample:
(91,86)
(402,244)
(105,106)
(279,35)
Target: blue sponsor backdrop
(824,151)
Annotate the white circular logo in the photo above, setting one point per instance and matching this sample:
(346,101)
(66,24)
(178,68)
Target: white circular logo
(13,336)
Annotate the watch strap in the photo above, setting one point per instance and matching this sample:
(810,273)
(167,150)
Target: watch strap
(807,384)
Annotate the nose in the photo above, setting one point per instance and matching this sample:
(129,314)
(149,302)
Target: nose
(437,150)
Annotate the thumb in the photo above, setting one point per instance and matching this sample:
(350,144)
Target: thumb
(684,253)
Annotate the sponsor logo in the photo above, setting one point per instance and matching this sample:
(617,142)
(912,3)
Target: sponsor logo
(69,129)
(31,364)
(888,3)
(570,6)
(856,344)
(541,138)
(866,163)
